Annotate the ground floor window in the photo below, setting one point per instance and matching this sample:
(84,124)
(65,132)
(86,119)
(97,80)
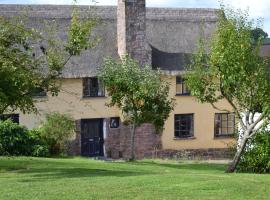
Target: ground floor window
(183,125)
(224,124)
(13,117)
(114,122)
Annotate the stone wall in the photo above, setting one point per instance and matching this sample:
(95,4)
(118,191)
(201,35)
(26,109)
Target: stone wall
(117,143)
(196,154)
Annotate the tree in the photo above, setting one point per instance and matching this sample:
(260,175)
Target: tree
(258,33)
(32,60)
(139,92)
(234,71)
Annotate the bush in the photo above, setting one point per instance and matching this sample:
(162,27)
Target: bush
(14,139)
(40,151)
(256,157)
(39,146)
(56,131)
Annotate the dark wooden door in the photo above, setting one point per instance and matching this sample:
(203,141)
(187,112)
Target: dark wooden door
(92,137)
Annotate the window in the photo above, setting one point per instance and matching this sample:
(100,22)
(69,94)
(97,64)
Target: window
(183,125)
(39,92)
(224,124)
(114,122)
(181,88)
(13,117)
(92,87)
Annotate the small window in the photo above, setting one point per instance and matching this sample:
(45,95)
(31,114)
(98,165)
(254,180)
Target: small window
(114,122)
(39,92)
(92,87)
(183,125)
(224,124)
(13,117)
(181,88)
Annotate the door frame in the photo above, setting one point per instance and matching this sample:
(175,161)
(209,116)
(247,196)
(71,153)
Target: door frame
(101,135)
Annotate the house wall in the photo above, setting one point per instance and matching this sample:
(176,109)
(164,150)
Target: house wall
(70,101)
(203,123)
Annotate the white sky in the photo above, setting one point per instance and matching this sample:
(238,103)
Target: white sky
(257,8)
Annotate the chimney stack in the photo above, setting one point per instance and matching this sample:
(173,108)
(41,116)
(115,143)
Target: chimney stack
(131,31)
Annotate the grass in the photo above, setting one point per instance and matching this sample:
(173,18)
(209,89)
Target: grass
(80,178)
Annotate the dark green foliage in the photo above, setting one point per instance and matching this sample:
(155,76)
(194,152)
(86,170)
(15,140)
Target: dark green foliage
(39,147)
(258,33)
(56,131)
(15,139)
(49,140)
(40,151)
(256,157)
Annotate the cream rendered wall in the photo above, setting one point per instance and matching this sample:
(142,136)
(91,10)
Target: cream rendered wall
(70,101)
(203,123)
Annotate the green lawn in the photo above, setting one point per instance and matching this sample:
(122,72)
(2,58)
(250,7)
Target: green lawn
(52,179)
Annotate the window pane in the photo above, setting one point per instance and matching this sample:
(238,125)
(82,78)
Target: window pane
(12,117)
(224,124)
(224,130)
(101,88)
(231,117)
(178,88)
(185,89)
(183,125)
(218,117)
(178,80)
(224,117)
(230,130)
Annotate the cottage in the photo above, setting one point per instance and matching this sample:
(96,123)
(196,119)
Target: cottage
(162,37)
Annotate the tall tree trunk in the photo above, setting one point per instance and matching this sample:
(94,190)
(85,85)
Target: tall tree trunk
(232,166)
(133,142)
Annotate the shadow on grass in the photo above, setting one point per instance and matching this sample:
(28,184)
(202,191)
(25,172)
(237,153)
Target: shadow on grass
(184,166)
(58,173)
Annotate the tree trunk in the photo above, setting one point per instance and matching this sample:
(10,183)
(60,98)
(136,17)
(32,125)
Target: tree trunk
(232,166)
(133,142)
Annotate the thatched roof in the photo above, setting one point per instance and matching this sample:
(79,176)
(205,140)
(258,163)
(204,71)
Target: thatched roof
(171,31)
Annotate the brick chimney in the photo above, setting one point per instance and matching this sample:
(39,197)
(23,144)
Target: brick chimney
(131,30)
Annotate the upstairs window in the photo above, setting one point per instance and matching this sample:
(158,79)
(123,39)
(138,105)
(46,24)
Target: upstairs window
(92,87)
(183,125)
(181,88)
(224,124)
(12,117)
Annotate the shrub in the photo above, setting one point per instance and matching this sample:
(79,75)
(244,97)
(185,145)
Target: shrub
(56,131)
(40,151)
(39,146)
(14,139)
(257,154)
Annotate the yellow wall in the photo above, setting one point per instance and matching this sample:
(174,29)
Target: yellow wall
(203,123)
(70,101)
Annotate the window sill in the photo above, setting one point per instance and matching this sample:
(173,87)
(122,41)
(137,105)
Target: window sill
(98,97)
(184,138)
(40,98)
(224,136)
(185,95)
